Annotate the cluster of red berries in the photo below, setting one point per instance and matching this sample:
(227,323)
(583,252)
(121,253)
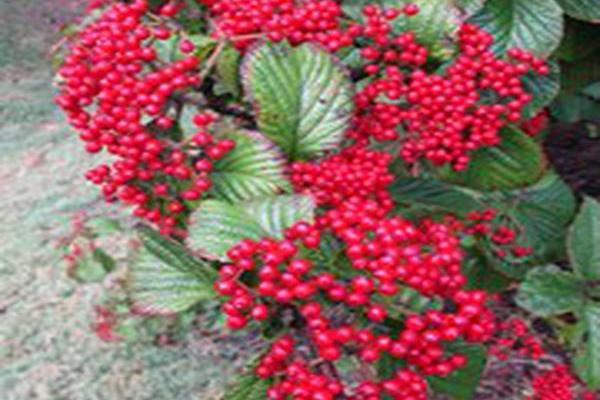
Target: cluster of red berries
(387,255)
(356,172)
(316,21)
(556,384)
(444,117)
(514,336)
(536,125)
(503,238)
(114,85)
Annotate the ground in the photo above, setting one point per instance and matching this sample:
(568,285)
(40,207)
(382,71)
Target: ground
(47,348)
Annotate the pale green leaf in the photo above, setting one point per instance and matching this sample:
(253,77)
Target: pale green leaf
(587,10)
(217,226)
(165,279)
(302,97)
(549,291)
(253,169)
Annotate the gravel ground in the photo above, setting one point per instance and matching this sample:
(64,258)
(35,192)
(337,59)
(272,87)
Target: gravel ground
(47,348)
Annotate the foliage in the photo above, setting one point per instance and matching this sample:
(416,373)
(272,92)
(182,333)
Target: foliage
(354,180)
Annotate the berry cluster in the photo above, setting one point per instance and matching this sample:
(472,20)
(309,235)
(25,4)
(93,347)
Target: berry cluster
(120,97)
(244,21)
(386,256)
(515,336)
(354,173)
(438,117)
(536,125)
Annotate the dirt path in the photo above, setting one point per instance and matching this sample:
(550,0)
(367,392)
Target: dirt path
(47,349)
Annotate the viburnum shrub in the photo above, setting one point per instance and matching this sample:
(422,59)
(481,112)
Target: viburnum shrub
(361,182)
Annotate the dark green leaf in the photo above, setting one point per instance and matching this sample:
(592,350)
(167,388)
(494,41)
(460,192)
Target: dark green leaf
(517,162)
(579,41)
(587,363)
(254,168)
(462,384)
(482,275)
(434,193)
(302,98)
(543,212)
(549,291)
(165,279)
(584,240)
(535,25)
(543,88)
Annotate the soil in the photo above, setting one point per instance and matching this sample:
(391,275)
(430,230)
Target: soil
(575,154)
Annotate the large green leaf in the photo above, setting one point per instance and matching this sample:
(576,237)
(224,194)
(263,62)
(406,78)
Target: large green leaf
(165,279)
(517,162)
(462,384)
(535,25)
(253,169)
(433,193)
(543,88)
(587,363)
(217,225)
(587,10)
(248,387)
(550,291)
(584,240)
(302,97)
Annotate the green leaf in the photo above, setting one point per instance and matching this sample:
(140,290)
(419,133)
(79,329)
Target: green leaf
(436,21)
(186,121)
(482,273)
(165,279)
(549,291)
(303,99)
(517,162)
(93,267)
(248,387)
(579,41)
(434,193)
(228,70)
(544,212)
(462,384)
(354,8)
(543,88)
(587,10)
(587,362)
(535,25)
(578,74)
(584,240)
(217,225)
(253,169)
(575,108)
